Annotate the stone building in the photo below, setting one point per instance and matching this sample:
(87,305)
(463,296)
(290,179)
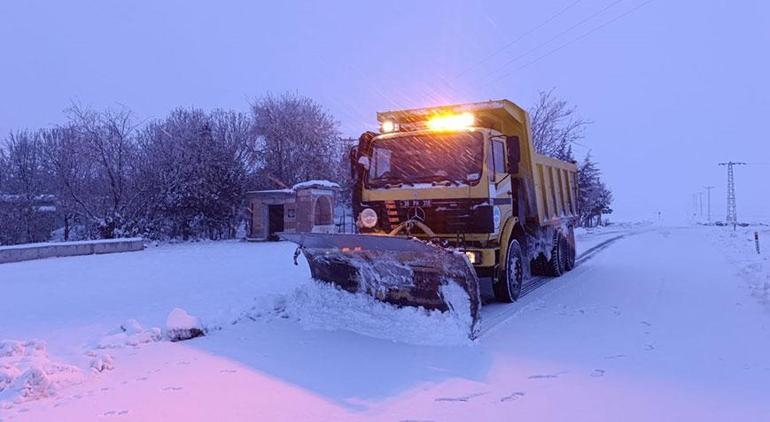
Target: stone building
(306,207)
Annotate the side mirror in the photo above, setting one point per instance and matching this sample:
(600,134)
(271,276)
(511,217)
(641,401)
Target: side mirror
(514,153)
(352,159)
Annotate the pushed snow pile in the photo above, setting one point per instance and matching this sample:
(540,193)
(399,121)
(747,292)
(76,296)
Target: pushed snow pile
(27,373)
(100,361)
(130,333)
(324,306)
(182,326)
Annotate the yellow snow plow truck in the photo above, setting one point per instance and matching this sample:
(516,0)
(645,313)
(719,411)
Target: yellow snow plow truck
(447,198)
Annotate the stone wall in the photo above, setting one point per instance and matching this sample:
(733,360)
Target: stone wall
(17,253)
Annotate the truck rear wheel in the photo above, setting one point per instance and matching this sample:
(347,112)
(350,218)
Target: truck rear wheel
(569,259)
(508,286)
(571,248)
(559,254)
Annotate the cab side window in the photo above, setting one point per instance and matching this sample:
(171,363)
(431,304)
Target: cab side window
(381,163)
(498,156)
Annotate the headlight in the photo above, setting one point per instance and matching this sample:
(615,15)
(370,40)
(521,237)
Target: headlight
(368,218)
(389,126)
(473,256)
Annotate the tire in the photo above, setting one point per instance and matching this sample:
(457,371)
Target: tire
(566,254)
(558,255)
(569,263)
(508,285)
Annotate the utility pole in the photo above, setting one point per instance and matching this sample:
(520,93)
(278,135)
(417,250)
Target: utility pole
(700,205)
(732,214)
(708,202)
(694,205)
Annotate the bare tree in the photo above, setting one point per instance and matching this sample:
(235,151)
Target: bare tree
(180,177)
(298,140)
(26,213)
(71,176)
(556,126)
(3,168)
(93,158)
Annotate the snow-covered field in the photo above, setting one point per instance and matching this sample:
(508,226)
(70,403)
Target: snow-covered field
(661,324)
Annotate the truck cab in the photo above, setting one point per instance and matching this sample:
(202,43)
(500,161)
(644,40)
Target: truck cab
(467,176)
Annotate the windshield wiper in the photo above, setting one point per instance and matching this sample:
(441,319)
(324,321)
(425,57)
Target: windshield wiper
(438,180)
(390,182)
(445,182)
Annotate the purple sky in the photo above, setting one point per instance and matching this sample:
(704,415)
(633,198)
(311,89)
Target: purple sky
(673,87)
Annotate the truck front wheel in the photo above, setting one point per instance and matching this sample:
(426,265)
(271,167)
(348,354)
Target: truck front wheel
(508,286)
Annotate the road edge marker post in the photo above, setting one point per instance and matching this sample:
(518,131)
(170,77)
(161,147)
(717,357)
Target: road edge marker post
(756,241)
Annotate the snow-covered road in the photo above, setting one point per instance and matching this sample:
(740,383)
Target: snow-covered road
(665,324)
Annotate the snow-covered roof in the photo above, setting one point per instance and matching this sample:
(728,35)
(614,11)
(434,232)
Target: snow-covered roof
(310,184)
(269,191)
(316,184)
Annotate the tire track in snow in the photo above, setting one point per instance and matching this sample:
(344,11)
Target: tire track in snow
(494,314)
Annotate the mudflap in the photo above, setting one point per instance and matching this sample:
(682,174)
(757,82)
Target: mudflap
(396,270)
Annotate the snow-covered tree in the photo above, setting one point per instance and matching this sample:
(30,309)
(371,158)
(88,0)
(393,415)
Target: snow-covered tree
(594,197)
(556,126)
(92,158)
(25,192)
(193,174)
(179,177)
(3,168)
(298,140)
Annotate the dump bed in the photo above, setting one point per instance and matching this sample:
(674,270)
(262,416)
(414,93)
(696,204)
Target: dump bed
(555,184)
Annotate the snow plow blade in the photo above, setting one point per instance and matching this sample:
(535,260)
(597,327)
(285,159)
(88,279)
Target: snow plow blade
(396,270)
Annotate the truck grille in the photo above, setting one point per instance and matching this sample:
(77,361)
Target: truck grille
(442,216)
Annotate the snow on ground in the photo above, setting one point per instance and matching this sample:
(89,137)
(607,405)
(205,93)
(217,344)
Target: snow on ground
(591,237)
(27,373)
(752,267)
(661,325)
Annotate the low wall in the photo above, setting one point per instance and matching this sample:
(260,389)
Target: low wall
(26,252)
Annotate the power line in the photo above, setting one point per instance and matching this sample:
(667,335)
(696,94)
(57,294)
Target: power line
(597,28)
(517,39)
(561,33)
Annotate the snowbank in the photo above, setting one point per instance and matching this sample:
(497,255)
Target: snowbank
(182,326)
(753,267)
(130,333)
(27,373)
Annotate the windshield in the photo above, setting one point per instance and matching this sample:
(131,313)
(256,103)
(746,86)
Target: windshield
(448,158)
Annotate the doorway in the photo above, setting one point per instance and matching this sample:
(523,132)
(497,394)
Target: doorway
(274,221)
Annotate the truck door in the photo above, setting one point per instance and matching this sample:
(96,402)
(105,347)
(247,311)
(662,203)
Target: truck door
(500,182)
